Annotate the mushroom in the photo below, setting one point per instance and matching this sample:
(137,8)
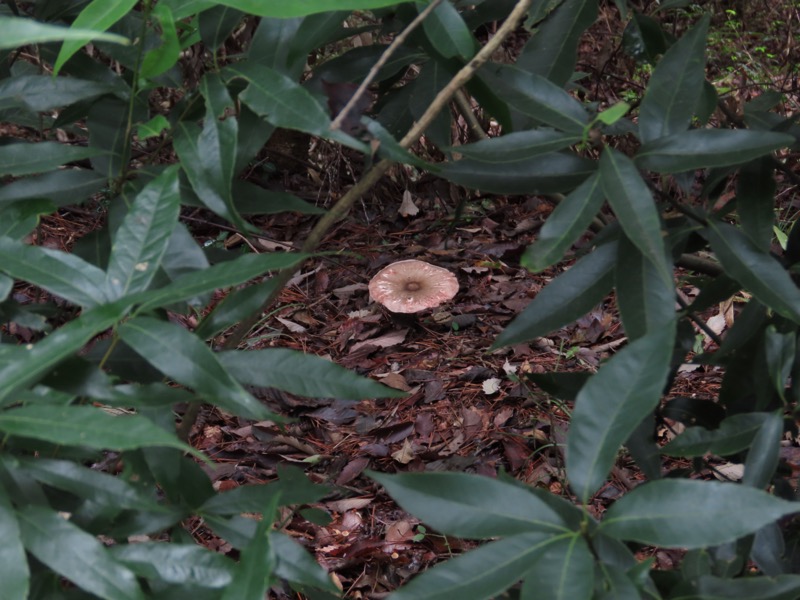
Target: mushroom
(409,286)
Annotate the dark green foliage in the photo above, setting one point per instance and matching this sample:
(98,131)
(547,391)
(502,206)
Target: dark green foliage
(57,398)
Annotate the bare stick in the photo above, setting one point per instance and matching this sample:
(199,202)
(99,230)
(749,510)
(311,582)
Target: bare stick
(339,210)
(373,72)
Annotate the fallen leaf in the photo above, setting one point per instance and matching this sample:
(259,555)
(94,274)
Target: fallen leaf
(405,455)
(491,386)
(407,206)
(385,341)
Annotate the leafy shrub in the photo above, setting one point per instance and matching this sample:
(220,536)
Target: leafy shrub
(58,395)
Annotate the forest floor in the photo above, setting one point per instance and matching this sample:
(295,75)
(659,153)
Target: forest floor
(468,408)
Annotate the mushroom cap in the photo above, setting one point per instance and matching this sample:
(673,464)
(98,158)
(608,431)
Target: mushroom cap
(409,286)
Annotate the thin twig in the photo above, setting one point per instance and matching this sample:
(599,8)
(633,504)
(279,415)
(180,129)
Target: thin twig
(373,72)
(339,210)
(465,108)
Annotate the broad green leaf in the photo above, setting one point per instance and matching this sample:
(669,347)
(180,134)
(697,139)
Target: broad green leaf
(552,50)
(545,174)
(780,350)
(569,296)
(448,33)
(564,225)
(564,572)
(675,86)
(43,92)
(285,103)
(733,435)
(107,123)
(208,156)
(479,574)
(612,404)
(152,128)
(302,374)
(762,460)
(614,113)
(254,571)
(432,79)
(18,219)
(98,16)
(704,148)
(60,273)
(62,187)
(300,8)
(221,275)
(89,484)
(755,201)
(470,506)
(16,32)
(183,357)
(217,24)
(76,555)
(756,270)
(516,146)
(644,39)
(645,301)
(160,59)
(252,199)
(709,587)
(21,366)
(235,307)
(26,159)
(536,97)
(296,565)
(14,571)
(629,196)
(142,238)
(87,426)
(176,563)
(689,513)
(292,487)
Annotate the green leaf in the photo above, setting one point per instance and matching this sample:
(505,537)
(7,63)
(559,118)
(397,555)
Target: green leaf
(60,273)
(142,238)
(76,555)
(86,426)
(252,199)
(479,574)
(565,224)
(62,187)
(152,128)
(285,103)
(254,572)
(536,97)
(614,113)
(545,174)
(552,50)
(25,159)
(302,374)
(217,24)
(18,219)
(644,39)
(43,92)
(89,484)
(221,275)
(16,32)
(296,565)
(755,201)
(470,506)
(98,16)
(733,435)
(21,366)
(762,460)
(780,350)
(612,404)
(704,148)
(448,33)
(160,59)
(709,587)
(645,301)
(208,155)
(756,270)
(520,145)
(183,357)
(684,513)
(300,8)
(629,196)
(564,572)
(14,571)
(176,563)
(675,86)
(569,296)
(235,307)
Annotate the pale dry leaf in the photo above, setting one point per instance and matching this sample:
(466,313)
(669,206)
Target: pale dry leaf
(291,325)
(406,454)
(385,341)
(491,386)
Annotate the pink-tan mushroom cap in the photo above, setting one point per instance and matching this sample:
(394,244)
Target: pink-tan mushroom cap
(409,286)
